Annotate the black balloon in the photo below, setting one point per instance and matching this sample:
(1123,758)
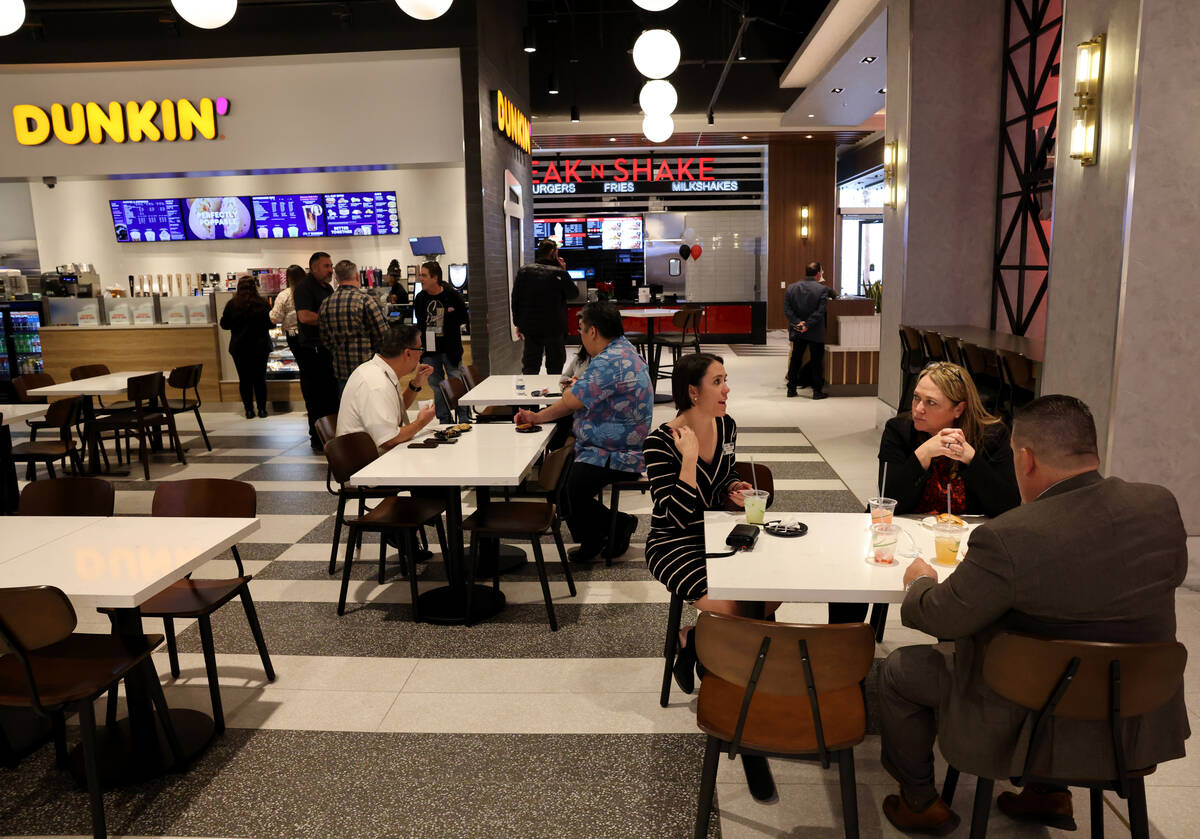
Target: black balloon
(684,251)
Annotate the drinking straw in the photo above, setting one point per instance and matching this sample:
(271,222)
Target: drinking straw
(753,474)
(949,511)
(883,481)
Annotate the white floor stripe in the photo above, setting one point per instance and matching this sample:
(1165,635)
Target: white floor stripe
(515,591)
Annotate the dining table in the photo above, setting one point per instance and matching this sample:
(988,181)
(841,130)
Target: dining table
(540,389)
(490,455)
(652,316)
(11,415)
(117,564)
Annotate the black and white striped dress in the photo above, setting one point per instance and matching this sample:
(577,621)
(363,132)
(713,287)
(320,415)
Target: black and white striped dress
(675,546)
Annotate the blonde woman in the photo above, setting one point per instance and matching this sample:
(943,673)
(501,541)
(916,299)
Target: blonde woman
(948,443)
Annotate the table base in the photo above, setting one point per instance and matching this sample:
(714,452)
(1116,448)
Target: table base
(510,558)
(121,764)
(447,605)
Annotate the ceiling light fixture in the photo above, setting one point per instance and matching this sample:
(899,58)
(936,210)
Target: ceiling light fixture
(711,119)
(423,9)
(574,113)
(552,83)
(812,116)
(744,137)
(654,5)
(741,56)
(656,53)
(838,90)
(206,14)
(658,127)
(12,16)
(870,59)
(612,139)
(658,96)
(530,38)
(807,136)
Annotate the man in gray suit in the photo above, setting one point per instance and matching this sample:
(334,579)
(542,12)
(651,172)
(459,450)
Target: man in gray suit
(804,305)
(1086,558)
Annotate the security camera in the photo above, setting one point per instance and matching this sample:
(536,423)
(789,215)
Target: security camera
(50,181)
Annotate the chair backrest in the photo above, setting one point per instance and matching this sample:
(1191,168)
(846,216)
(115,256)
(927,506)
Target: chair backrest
(87,371)
(760,476)
(1018,369)
(186,376)
(212,498)
(67,496)
(30,381)
(840,654)
(1026,670)
(554,467)
(144,388)
(326,428)
(32,617)
(912,339)
(471,375)
(452,389)
(933,345)
(981,363)
(64,413)
(349,453)
(953,350)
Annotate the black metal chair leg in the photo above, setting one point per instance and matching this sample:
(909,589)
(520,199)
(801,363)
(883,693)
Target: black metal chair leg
(614,522)
(849,793)
(50,470)
(110,710)
(337,533)
(541,568)
(983,807)
(673,619)
(203,431)
(708,785)
(1097,812)
(210,666)
(441,537)
(350,539)
(256,631)
(879,612)
(1139,823)
(409,561)
(87,730)
(562,556)
(164,713)
(422,539)
(472,566)
(950,785)
(172,646)
(59,723)
(383,556)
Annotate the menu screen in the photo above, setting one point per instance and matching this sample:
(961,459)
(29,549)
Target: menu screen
(361,214)
(222,217)
(620,234)
(147,220)
(289,216)
(568,232)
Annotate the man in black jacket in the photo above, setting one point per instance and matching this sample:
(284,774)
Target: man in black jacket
(539,309)
(804,306)
(441,314)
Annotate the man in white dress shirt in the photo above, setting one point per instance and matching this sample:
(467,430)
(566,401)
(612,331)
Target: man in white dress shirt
(374,401)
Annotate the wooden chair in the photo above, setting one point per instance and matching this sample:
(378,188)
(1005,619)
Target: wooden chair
(397,516)
(953,350)
(326,428)
(687,320)
(471,375)
(452,389)
(525,520)
(185,377)
(88,371)
(48,667)
(935,350)
(62,415)
(984,366)
(1020,384)
(642,485)
(22,385)
(782,690)
(189,598)
(148,395)
(67,497)
(1078,680)
(912,361)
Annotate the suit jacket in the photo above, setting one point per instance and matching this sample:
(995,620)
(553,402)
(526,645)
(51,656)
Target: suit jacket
(1093,559)
(804,302)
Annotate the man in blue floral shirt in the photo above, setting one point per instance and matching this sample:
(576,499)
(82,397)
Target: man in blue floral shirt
(613,403)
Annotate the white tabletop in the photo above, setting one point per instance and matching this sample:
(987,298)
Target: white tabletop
(826,565)
(116,562)
(490,454)
(648,313)
(15,413)
(502,390)
(107,385)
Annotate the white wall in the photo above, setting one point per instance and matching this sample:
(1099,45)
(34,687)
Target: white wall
(74,223)
(725,270)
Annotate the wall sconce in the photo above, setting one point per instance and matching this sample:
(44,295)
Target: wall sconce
(891,153)
(1085,118)
(804,222)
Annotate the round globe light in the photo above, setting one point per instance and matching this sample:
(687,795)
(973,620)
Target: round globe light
(206,14)
(424,9)
(658,97)
(12,16)
(658,127)
(656,53)
(655,5)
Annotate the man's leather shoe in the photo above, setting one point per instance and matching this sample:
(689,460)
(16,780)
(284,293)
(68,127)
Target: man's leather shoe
(935,820)
(684,668)
(758,777)
(820,395)
(625,531)
(1052,809)
(584,553)
(792,392)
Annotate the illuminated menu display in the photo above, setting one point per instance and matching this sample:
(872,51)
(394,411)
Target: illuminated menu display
(568,232)
(610,233)
(361,214)
(289,216)
(147,220)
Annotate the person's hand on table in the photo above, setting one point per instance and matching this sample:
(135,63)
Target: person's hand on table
(421,376)
(426,415)
(524,417)
(735,492)
(686,443)
(918,568)
(955,445)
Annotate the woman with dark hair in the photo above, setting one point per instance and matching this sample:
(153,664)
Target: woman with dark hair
(284,310)
(248,317)
(398,293)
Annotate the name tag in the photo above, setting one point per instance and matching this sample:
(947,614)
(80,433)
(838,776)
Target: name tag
(728,448)
(430,340)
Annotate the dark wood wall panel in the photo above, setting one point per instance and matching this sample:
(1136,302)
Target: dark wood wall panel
(800,172)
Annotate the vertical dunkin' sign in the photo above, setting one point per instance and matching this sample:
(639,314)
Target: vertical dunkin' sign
(512,123)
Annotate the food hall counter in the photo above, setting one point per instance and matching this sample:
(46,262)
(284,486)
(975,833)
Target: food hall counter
(726,322)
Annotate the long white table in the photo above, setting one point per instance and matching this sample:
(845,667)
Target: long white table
(502,390)
(489,455)
(826,565)
(11,415)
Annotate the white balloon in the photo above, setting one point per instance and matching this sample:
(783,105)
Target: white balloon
(12,16)
(424,9)
(689,236)
(656,53)
(658,127)
(655,5)
(206,14)
(658,96)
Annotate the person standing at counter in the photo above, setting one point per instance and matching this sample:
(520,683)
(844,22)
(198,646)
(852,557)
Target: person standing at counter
(539,306)
(284,310)
(317,383)
(804,305)
(441,313)
(351,322)
(398,293)
(248,318)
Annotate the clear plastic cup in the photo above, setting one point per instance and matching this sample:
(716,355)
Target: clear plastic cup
(884,538)
(947,536)
(755,501)
(882,510)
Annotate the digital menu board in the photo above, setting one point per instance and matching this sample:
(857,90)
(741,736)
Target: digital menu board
(568,232)
(361,214)
(220,217)
(289,216)
(620,234)
(147,220)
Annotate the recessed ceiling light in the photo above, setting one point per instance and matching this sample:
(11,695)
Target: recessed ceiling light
(612,139)
(807,136)
(744,137)
(812,116)
(870,59)
(882,90)
(837,90)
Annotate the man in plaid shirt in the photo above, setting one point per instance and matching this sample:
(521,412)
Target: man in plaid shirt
(352,323)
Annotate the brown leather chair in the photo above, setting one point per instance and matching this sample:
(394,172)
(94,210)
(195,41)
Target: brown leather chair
(782,690)
(934,349)
(912,361)
(147,416)
(393,515)
(953,350)
(185,377)
(452,389)
(67,497)
(1079,680)
(48,667)
(62,416)
(983,364)
(471,375)
(525,520)
(1020,384)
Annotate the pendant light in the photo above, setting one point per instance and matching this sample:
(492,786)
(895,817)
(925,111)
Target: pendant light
(658,127)
(656,53)
(12,16)
(654,5)
(658,96)
(424,9)
(206,14)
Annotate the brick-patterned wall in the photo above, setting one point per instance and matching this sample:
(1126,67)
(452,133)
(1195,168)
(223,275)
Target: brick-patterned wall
(726,268)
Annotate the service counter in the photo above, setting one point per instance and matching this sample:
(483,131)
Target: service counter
(725,322)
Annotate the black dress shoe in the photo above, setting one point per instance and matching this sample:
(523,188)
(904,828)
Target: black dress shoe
(624,533)
(792,392)
(758,777)
(584,553)
(249,414)
(820,395)
(684,668)
(262,413)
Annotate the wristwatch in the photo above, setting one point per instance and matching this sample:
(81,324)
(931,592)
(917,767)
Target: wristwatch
(413,388)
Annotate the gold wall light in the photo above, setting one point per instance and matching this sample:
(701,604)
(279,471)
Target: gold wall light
(1085,116)
(891,153)
(804,222)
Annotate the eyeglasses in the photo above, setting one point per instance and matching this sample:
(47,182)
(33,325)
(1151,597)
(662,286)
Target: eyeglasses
(414,349)
(948,366)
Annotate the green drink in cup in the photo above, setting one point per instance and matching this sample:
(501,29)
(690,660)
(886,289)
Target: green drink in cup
(755,501)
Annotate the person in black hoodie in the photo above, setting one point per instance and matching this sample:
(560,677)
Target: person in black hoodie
(441,313)
(539,307)
(248,317)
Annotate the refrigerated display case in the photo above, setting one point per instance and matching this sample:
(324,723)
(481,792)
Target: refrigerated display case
(20,341)
(281,364)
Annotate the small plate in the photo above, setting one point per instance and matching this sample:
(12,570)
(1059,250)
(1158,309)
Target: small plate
(533,429)
(783,529)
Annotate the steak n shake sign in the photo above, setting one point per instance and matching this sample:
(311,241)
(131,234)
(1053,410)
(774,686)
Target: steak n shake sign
(666,174)
(151,121)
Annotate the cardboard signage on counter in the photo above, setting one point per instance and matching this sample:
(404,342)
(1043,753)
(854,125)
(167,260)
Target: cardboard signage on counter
(175,313)
(88,314)
(118,313)
(143,311)
(197,310)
